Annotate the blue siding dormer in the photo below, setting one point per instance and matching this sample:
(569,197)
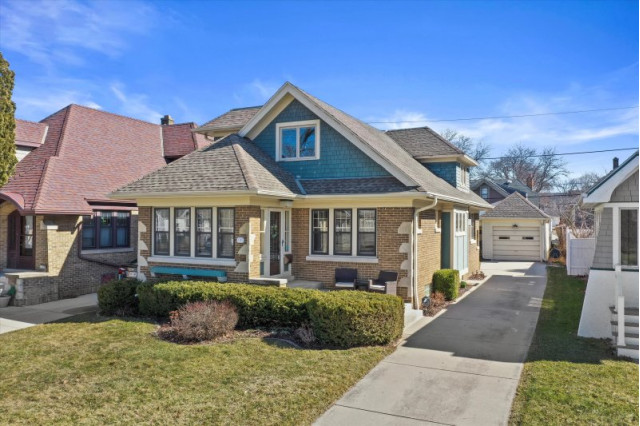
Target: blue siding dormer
(450,171)
(339,158)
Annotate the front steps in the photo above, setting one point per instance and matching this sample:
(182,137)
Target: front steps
(631,331)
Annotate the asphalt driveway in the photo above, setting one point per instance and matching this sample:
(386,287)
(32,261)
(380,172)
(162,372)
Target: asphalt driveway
(461,368)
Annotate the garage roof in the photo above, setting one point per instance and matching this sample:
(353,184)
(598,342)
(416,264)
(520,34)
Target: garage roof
(515,206)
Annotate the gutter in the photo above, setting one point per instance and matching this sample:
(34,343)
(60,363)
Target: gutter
(414,260)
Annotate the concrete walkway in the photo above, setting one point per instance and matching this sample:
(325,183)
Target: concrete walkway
(17,317)
(461,368)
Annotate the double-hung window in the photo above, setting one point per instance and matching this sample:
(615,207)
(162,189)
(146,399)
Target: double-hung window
(105,230)
(226,218)
(182,232)
(366,232)
(298,141)
(629,237)
(204,232)
(484,192)
(342,231)
(320,231)
(161,231)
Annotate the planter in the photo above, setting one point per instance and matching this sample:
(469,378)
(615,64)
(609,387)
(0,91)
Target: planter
(4,301)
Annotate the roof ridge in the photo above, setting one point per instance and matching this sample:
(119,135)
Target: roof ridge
(526,200)
(246,172)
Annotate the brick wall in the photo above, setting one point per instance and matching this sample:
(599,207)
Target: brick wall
(338,157)
(388,241)
(428,251)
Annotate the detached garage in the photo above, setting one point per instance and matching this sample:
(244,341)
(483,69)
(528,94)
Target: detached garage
(515,230)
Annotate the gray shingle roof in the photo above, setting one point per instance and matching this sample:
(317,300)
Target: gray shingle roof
(515,206)
(231,164)
(378,185)
(387,148)
(423,142)
(232,119)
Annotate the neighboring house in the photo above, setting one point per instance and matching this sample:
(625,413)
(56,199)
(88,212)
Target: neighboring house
(613,279)
(302,189)
(228,123)
(494,190)
(60,234)
(515,230)
(29,136)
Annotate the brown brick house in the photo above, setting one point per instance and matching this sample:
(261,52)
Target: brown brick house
(303,188)
(60,236)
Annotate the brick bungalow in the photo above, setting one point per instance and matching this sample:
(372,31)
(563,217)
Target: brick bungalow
(60,234)
(303,188)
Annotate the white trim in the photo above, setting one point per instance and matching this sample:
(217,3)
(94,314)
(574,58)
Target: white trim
(436,228)
(617,230)
(297,125)
(192,261)
(462,158)
(107,251)
(332,258)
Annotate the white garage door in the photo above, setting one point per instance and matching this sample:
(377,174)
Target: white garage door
(522,243)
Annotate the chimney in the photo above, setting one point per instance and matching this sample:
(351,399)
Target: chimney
(530,181)
(616,162)
(166,120)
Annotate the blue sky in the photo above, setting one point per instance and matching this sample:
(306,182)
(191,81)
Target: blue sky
(403,62)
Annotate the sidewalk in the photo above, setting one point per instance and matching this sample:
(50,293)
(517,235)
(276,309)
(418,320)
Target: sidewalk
(15,318)
(463,367)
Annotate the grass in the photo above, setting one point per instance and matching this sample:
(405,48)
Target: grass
(568,379)
(96,371)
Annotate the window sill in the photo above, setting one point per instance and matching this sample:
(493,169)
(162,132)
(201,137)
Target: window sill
(351,259)
(192,260)
(108,251)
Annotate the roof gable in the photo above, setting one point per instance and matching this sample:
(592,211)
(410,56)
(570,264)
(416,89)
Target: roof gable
(516,206)
(376,144)
(601,192)
(233,119)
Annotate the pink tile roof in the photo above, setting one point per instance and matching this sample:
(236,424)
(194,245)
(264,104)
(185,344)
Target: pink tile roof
(29,133)
(179,140)
(86,155)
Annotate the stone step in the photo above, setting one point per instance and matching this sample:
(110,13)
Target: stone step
(625,351)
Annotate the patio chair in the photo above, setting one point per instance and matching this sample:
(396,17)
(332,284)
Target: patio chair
(386,283)
(346,278)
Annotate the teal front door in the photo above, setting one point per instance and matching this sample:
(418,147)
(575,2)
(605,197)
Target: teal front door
(460,241)
(445,245)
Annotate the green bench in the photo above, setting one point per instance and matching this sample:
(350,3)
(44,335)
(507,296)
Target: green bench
(189,272)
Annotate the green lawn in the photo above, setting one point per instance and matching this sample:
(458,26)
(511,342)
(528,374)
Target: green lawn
(568,379)
(116,371)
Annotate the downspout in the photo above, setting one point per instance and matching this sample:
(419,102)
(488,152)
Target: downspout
(414,261)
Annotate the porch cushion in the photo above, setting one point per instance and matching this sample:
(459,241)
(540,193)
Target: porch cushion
(345,285)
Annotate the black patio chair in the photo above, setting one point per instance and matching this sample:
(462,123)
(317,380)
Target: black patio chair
(346,278)
(387,283)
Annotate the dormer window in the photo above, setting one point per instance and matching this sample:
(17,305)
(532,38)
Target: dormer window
(298,140)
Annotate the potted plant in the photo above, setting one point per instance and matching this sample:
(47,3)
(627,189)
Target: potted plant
(6,295)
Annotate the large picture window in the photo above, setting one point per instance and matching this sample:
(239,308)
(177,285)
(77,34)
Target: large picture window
(226,218)
(320,231)
(161,232)
(366,232)
(342,231)
(204,232)
(182,232)
(298,141)
(106,229)
(629,237)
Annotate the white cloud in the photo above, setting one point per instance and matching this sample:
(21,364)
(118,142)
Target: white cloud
(401,119)
(134,104)
(36,106)
(256,92)
(53,32)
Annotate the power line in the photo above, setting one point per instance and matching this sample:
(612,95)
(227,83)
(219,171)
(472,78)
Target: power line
(564,153)
(503,116)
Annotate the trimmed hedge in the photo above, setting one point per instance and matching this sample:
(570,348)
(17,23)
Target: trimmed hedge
(339,319)
(119,297)
(447,281)
(345,319)
(257,306)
